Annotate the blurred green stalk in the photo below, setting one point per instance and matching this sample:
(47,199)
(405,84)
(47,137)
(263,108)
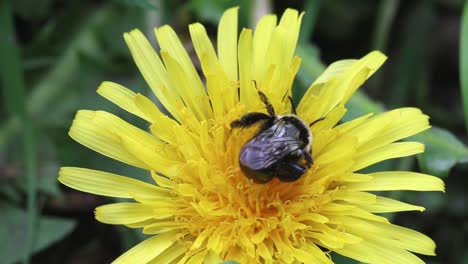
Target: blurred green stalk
(14,88)
(464,61)
(311,9)
(383,23)
(384,19)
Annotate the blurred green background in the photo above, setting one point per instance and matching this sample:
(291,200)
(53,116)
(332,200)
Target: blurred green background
(54,54)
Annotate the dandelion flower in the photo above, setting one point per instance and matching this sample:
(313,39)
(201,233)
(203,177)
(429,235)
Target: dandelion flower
(201,208)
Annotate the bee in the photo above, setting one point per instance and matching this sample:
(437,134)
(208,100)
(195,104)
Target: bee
(280,148)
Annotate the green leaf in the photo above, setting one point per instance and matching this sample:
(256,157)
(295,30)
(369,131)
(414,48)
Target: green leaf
(13,235)
(230,262)
(443,151)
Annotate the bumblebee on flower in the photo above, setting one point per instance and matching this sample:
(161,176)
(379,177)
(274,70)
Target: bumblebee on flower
(207,203)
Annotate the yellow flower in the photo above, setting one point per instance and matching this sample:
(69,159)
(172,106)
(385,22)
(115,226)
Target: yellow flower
(201,207)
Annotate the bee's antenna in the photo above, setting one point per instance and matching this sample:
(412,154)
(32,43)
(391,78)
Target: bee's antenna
(293,106)
(264,98)
(316,121)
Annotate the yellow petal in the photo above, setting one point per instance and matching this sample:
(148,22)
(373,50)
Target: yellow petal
(170,43)
(399,180)
(204,49)
(152,156)
(291,20)
(318,253)
(337,85)
(170,254)
(387,205)
(392,235)
(304,256)
(122,97)
(248,93)
(90,132)
(333,71)
(389,127)
(212,258)
(216,86)
(108,184)
(123,213)
(153,71)
(197,102)
(227,42)
(148,249)
(390,151)
(374,252)
(356,197)
(261,41)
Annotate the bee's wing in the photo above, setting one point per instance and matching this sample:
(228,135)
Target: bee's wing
(267,148)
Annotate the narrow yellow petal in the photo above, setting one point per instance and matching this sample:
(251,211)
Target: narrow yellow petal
(212,258)
(389,127)
(198,103)
(304,256)
(126,131)
(291,21)
(318,253)
(333,71)
(337,85)
(345,127)
(170,254)
(148,249)
(90,132)
(122,97)
(261,41)
(170,43)
(108,184)
(392,235)
(123,213)
(153,71)
(399,180)
(248,92)
(390,151)
(204,49)
(371,62)
(356,197)
(375,252)
(152,156)
(387,205)
(227,42)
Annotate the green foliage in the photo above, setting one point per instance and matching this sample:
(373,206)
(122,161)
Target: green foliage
(443,151)
(13,235)
(57,53)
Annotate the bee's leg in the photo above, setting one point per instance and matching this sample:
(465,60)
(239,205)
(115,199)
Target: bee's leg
(308,158)
(268,105)
(250,119)
(289,172)
(293,106)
